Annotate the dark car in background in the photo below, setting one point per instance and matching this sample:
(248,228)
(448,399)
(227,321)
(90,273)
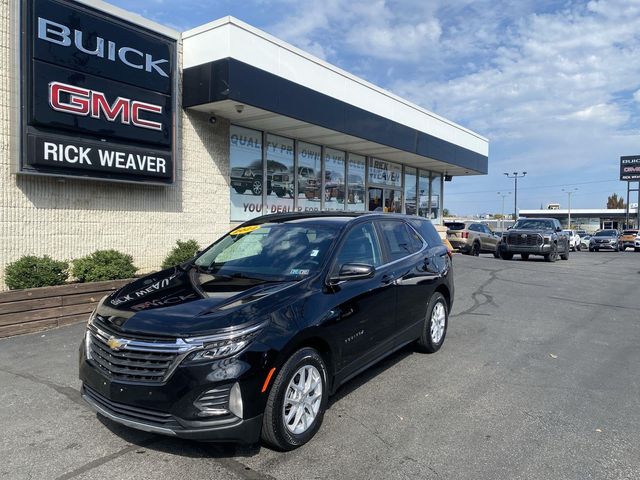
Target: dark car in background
(283,182)
(243,179)
(535,236)
(605,239)
(249,339)
(355,193)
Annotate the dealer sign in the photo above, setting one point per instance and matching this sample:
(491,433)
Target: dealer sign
(97,95)
(630,168)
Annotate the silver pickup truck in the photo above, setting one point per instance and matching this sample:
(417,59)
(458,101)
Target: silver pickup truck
(535,236)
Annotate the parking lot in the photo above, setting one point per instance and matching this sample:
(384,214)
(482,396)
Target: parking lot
(539,377)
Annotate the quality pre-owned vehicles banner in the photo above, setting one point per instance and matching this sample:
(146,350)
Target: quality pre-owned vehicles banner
(97,95)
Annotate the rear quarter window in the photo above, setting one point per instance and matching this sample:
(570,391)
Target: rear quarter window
(427,231)
(455,226)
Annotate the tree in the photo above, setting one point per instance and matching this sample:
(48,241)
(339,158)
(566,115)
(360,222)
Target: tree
(614,202)
(445,212)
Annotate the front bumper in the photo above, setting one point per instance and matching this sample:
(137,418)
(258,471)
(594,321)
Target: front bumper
(169,408)
(607,245)
(229,429)
(530,249)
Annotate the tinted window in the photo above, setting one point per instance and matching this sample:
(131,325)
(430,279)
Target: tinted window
(360,246)
(399,239)
(607,233)
(426,229)
(455,226)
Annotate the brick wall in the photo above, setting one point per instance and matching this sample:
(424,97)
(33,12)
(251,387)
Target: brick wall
(67,218)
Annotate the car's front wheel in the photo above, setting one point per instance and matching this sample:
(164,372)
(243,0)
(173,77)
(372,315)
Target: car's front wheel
(435,325)
(297,401)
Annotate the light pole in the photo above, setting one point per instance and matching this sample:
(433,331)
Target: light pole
(569,193)
(503,195)
(515,176)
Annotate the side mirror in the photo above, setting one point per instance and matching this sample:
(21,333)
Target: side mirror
(353,271)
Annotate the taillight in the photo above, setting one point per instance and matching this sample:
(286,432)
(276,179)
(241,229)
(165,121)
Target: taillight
(465,234)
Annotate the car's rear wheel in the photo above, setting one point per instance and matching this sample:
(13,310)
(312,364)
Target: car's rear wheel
(435,325)
(565,255)
(475,249)
(524,256)
(297,401)
(240,190)
(578,247)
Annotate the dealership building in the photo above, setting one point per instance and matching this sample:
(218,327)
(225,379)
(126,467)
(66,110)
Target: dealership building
(118,132)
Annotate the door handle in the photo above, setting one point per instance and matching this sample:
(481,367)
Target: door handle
(388,279)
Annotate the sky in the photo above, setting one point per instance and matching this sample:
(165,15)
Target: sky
(553,85)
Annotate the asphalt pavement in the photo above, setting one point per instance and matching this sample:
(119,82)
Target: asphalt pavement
(539,378)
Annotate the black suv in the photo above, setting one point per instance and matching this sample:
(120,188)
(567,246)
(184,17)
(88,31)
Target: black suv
(535,236)
(250,338)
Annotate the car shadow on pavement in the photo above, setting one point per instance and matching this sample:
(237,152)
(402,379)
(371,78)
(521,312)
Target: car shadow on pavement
(194,449)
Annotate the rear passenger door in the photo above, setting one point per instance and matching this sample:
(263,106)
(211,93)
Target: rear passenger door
(405,254)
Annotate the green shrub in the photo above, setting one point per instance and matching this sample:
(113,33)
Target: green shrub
(182,252)
(30,272)
(103,265)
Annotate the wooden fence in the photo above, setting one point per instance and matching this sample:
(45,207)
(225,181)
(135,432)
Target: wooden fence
(36,309)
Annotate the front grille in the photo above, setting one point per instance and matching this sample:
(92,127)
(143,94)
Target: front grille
(132,413)
(134,361)
(527,239)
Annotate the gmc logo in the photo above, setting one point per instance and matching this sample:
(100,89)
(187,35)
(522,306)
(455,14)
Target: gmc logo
(84,102)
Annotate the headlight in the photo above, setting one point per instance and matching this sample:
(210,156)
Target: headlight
(217,350)
(222,345)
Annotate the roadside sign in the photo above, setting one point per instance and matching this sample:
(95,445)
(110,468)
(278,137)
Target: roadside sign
(630,168)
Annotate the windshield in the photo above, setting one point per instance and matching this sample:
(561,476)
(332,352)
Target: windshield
(607,233)
(533,224)
(630,232)
(271,251)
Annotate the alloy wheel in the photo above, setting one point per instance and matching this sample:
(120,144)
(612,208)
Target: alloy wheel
(438,319)
(302,399)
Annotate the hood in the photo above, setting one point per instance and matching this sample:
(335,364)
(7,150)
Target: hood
(546,231)
(183,302)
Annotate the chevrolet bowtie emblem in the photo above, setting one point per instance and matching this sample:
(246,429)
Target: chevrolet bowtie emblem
(115,344)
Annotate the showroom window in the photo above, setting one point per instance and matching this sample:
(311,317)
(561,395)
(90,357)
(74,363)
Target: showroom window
(410,193)
(436,204)
(423,193)
(245,158)
(334,185)
(280,173)
(356,174)
(309,176)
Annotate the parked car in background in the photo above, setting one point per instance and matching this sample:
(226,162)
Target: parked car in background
(535,236)
(331,182)
(628,239)
(243,179)
(584,241)
(250,338)
(605,239)
(574,240)
(355,190)
(472,238)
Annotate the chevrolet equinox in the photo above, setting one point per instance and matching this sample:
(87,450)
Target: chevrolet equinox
(248,339)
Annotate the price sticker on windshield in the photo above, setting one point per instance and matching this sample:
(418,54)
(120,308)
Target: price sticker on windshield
(243,230)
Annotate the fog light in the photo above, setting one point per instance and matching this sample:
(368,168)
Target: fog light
(235,400)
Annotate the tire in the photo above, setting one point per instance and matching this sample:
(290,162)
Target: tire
(565,256)
(578,248)
(256,187)
(496,254)
(275,431)
(636,249)
(279,192)
(506,255)
(552,256)
(524,256)
(435,324)
(240,190)
(475,249)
